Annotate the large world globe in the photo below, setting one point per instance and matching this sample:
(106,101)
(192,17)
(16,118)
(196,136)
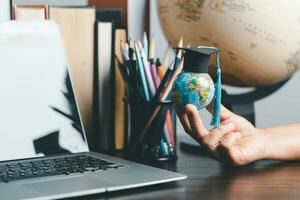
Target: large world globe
(259,39)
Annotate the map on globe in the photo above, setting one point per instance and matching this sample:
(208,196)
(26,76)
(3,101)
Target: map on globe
(259,40)
(195,88)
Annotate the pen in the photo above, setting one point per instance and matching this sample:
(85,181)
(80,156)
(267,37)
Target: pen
(169,71)
(155,76)
(163,82)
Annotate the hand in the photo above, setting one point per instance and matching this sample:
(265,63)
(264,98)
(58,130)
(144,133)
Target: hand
(236,141)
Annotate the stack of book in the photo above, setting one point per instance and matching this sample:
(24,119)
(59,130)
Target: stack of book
(91,36)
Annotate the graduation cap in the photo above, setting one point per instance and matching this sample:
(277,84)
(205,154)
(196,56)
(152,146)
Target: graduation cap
(196,60)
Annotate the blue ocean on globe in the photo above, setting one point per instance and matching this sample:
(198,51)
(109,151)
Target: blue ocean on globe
(193,88)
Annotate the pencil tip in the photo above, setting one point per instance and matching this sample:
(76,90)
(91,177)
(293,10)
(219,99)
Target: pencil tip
(134,57)
(180,43)
(139,44)
(136,46)
(131,43)
(145,37)
(126,46)
(158,63)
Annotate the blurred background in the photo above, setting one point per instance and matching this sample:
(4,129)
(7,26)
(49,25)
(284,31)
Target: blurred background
(279,108)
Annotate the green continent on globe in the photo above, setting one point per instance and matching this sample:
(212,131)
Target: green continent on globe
(193,88)
(190,9)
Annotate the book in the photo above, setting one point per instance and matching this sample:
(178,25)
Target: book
(30,12)
(117,114)
(77,28)
(110,14)
(123,4)
(5,10)
(51,2)
(105,85)
(120,111)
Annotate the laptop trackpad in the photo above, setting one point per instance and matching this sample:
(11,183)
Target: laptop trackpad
(67,184)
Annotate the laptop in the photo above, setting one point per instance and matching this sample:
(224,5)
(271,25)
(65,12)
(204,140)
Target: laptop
(43,148)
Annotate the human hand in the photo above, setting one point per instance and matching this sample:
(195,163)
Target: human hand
(236,141)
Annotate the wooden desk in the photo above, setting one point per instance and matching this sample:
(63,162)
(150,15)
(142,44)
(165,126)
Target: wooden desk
(208,179)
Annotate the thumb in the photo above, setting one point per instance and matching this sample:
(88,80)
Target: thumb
(224,112)
(233,155)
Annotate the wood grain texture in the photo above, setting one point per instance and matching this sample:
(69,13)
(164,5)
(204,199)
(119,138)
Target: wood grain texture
(209,180)
(120,128)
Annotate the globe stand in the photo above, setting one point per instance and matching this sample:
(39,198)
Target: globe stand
(240,104)
(243,104)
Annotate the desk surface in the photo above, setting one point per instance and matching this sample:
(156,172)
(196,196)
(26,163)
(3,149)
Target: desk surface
(207,179)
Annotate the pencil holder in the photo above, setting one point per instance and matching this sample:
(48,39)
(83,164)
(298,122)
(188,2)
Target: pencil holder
(159,141)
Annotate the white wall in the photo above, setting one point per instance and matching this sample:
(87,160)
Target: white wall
(136,18)
(279,108)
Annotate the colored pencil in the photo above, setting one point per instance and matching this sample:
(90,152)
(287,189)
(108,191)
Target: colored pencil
(168,126)
(167,131)
(160,69)
(131,49)
(164,81)
(166,58)
(155,76)
(145,45)
(169,71)
(142,73)
(162,98)
(150,82)
(143,79)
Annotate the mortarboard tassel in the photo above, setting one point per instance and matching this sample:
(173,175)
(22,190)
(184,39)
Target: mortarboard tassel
(218,95)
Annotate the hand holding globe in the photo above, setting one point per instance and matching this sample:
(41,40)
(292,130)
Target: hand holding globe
(259,47)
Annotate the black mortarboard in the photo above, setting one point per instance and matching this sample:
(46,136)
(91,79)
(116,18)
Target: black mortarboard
(197,59)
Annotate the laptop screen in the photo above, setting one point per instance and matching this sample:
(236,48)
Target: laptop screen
(38,112)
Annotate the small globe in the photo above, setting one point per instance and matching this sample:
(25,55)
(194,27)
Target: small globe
(259,40)
(193,88)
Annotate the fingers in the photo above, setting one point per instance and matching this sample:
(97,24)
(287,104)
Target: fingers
(183,119)
(229,152)
(224,113)
(212,140)
(197,127)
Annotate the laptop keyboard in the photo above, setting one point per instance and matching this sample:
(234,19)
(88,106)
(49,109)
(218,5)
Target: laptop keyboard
(54,166)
